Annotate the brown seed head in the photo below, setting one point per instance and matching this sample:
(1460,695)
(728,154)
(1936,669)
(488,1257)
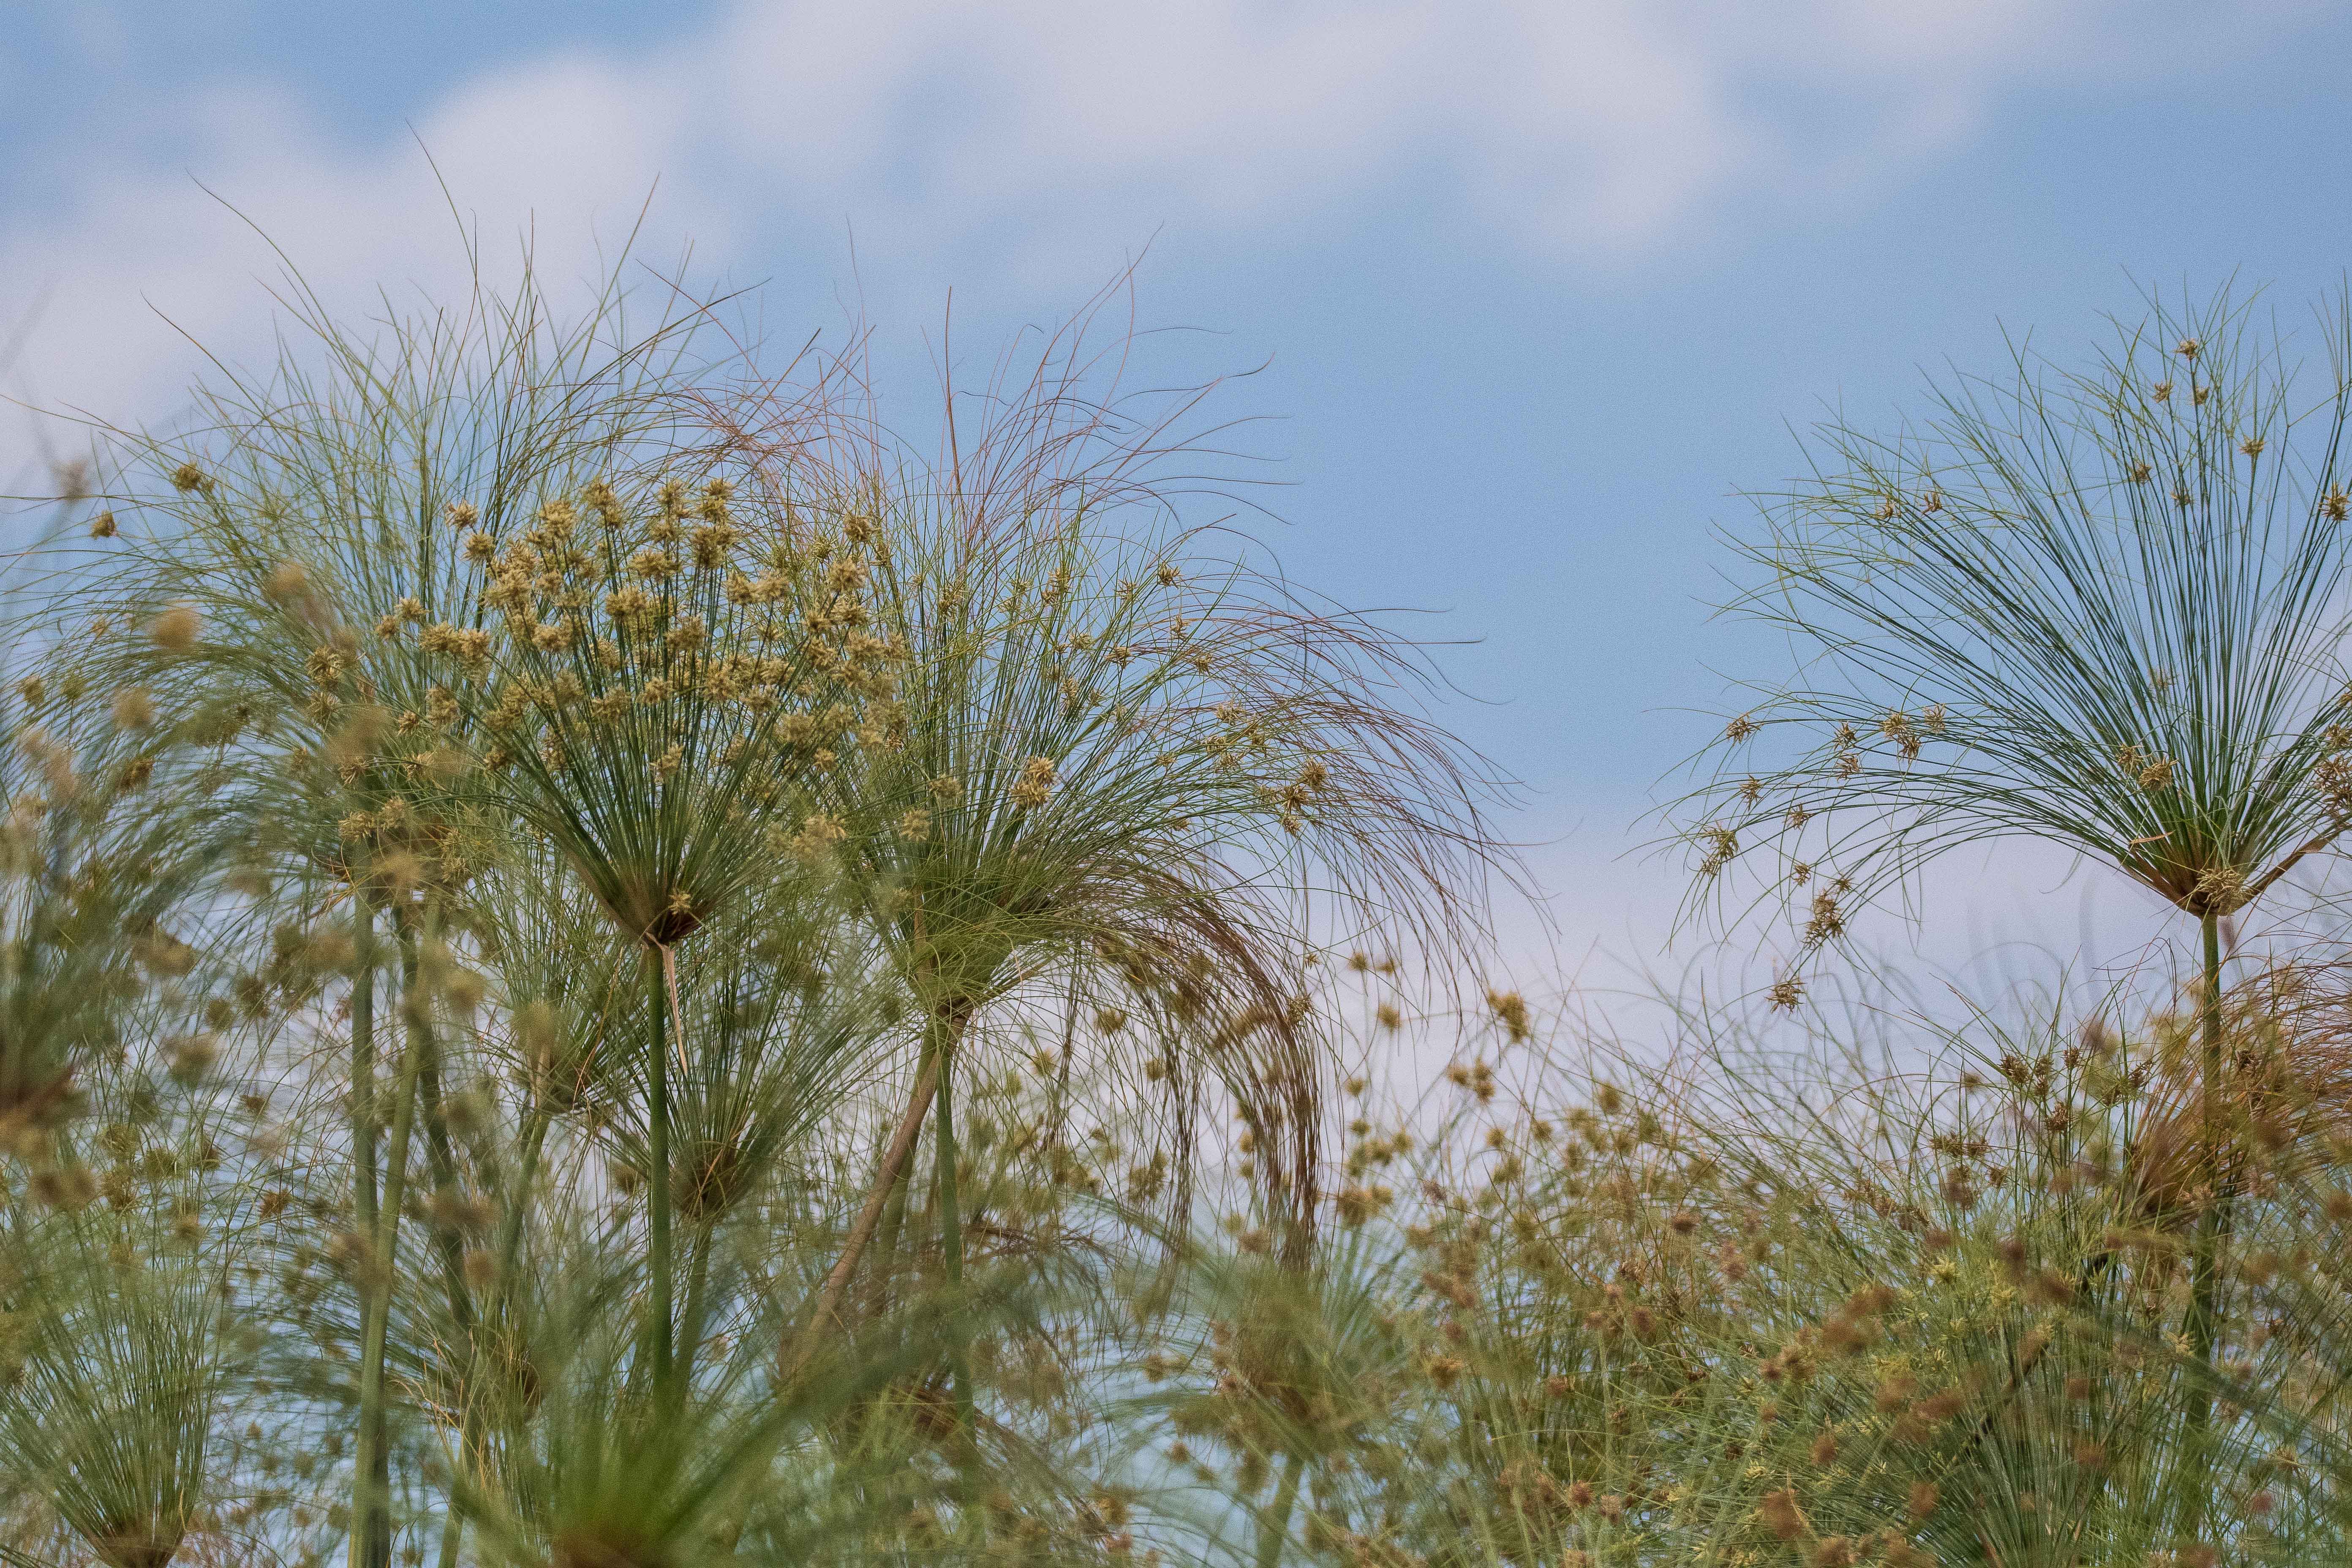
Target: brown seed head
(1781,1515)
(175,629)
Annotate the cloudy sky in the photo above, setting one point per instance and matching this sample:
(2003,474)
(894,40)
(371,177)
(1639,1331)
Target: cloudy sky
(1537,288)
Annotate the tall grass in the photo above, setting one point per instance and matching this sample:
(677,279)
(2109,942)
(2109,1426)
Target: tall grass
(603,962)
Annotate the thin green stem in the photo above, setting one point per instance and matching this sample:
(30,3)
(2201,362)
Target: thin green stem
(536,1121)
(441,1157)
(373,1531)
(2205,1279)
(657,1137)
(1274,1528)
(946,1028)
(894,1220)
(363,1107)
(364,1553)
(441,1160)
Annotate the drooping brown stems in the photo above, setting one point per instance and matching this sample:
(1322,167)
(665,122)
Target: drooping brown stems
(886,1176)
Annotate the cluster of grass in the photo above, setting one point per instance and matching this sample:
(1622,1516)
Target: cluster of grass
(604,965)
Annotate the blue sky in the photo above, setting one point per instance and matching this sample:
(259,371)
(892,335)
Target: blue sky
(1538,288)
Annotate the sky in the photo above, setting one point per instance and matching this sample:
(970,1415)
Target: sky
(1532,294)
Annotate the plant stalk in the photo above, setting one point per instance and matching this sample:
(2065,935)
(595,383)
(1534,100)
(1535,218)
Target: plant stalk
(2205,1279)
(363,1108)
(945,1028)
(534,1137)
(894,1159)
(1274,1528)
(441,1162)
(364,1551)
(371,1534)
(657,1134)
(894,1220)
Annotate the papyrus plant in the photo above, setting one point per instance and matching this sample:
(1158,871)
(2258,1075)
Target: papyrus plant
(1123,745)
(270,576)
(661,676)
(2100,607)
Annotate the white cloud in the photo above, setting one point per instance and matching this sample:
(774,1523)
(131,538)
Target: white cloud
(1047,138)
(1586,125)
